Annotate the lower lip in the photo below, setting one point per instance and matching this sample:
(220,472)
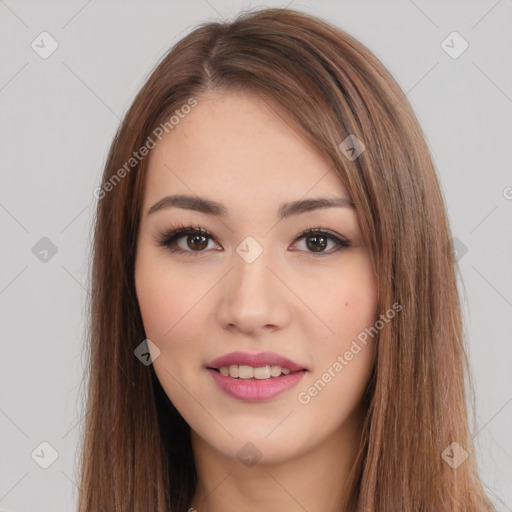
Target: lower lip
(256,390)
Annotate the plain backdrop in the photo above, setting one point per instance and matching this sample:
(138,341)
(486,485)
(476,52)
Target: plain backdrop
(59,113)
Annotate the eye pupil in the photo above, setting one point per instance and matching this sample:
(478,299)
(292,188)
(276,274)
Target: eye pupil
(316,246)
(202,245)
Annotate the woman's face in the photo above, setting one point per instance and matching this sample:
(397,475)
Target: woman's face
(253,284)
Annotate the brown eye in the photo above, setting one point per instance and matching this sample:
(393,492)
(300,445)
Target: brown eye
(197,242)
(316,243)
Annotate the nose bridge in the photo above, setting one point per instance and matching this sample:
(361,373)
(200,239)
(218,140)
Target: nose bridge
(251,274)
(252,298)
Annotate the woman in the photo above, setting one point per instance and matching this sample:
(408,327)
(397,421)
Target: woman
(275,322)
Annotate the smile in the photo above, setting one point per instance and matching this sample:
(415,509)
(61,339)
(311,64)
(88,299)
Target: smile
(249,372)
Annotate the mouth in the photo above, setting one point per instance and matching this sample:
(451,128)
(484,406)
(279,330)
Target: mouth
(254,366)
(255,383)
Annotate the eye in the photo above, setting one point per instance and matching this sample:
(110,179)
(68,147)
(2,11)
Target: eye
(196,240)
(317,239)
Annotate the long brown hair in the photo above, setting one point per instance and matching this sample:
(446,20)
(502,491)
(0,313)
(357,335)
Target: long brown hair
(136,453)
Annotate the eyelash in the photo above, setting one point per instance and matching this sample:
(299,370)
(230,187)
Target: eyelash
(169,237)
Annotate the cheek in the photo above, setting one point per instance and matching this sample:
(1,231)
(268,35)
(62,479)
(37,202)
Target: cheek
(170,303)
(357,309)
(342,367)
(348,306)
(348,303)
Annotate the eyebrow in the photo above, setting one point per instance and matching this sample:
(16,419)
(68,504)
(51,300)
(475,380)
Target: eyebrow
(211,207)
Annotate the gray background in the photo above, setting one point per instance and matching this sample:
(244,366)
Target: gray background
(59,115)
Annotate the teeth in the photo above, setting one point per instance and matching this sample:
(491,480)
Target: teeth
(248,372)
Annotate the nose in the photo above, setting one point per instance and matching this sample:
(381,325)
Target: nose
(253,297)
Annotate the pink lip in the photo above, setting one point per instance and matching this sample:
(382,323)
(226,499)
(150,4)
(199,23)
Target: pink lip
(255,360)
(254,390)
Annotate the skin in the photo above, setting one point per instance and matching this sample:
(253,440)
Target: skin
(308,306)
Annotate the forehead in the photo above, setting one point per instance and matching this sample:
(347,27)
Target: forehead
(236,148)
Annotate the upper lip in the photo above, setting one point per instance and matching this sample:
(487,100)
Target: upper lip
(255,360)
